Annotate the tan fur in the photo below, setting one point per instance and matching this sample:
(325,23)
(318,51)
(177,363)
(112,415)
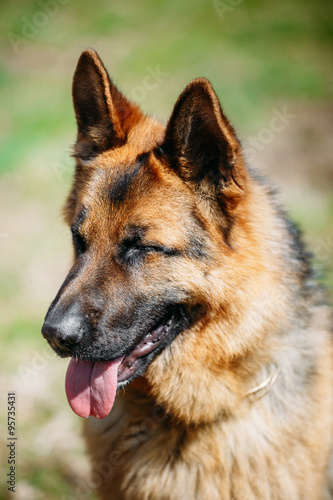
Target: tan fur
(187,429)
(213,443)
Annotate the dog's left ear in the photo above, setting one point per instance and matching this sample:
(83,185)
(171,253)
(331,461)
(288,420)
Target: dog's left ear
(103,114)
(202,147)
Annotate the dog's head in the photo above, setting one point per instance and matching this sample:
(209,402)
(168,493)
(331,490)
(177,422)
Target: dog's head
(152,211)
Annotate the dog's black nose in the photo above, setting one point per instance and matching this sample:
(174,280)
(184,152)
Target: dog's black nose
(63,332)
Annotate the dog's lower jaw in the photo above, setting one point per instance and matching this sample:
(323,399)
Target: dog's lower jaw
(136,361)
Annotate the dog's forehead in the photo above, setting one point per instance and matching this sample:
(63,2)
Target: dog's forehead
(138,193)
(128,185)
(113,183)
(139,181)
(113,171)
(142,137)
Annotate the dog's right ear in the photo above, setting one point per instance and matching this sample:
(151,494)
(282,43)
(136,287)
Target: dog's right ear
(201,146)
(103,114)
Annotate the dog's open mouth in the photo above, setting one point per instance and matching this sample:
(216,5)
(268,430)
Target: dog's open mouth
(91,386)
(133,361)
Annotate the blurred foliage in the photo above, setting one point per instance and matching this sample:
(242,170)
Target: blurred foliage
(255,53)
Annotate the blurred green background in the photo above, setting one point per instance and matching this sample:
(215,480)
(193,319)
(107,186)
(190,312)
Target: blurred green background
(265,59)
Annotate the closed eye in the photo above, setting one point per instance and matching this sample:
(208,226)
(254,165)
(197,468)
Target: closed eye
(134,251)
(154,248)
(80,244)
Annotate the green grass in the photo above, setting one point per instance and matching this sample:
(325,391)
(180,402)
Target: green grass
(259,52)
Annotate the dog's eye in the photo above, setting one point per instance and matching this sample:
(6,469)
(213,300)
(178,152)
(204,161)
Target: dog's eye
(79,242)
(133,252)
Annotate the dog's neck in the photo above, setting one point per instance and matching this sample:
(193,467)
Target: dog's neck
(264,388)
(141,387)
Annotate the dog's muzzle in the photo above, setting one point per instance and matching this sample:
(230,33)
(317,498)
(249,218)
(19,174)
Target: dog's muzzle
(63,332)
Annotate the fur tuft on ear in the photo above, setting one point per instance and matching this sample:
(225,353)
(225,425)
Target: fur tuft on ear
(202,147)
(103,114)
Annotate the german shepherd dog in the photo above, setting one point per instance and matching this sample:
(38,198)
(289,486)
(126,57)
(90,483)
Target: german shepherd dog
(190,310)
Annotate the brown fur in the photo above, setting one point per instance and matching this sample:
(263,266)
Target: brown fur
(188,428)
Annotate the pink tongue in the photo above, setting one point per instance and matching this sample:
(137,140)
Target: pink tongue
(91,387)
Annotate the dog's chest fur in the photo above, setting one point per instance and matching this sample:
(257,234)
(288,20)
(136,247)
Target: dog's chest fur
(142,455)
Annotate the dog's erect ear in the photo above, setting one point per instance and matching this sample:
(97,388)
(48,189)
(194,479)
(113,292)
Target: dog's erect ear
(202,147)
(104,116)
